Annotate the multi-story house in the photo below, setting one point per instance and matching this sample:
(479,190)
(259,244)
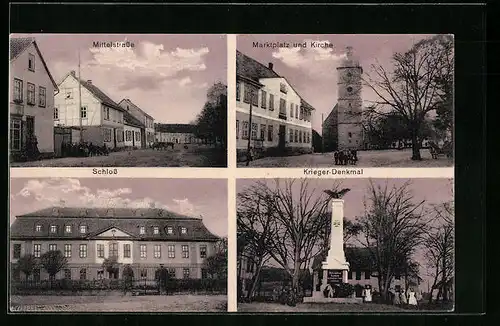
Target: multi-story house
(148,132)
(176,133)
(100,119)
(280,117)
(144,238)
(31,100)
(134,131)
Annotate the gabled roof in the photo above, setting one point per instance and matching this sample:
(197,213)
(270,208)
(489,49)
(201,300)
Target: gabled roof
(174,128)
(96,91)
(130,103)
(19,44)
(98,220)
(130,120)
(333,112)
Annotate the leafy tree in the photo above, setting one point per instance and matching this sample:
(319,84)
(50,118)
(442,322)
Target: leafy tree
(211,123)
(128,276)
(27,264)
(111,265)
(216,265)
(53,262)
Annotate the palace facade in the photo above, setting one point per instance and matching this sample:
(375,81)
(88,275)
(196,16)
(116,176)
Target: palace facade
(144,238)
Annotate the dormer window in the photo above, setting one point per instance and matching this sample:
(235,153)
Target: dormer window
(183,230)
(156,230)
(83,229)
(53,228)
(142,230)
(31,62)
(38,228)
(67,229)
(109,212)
(170,230)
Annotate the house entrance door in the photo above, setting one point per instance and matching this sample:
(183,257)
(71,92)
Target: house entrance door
(282,135)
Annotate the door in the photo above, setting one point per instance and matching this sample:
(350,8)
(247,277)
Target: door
(114,136)
(30,127)
(282,135)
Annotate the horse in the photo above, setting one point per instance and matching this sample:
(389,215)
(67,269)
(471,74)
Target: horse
(162,145)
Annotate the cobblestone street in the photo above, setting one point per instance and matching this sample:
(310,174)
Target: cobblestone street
(383,158)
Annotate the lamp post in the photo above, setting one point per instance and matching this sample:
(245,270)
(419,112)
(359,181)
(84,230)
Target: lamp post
(249,147)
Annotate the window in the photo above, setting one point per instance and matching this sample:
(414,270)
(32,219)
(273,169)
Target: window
(83,251)
(31,94)
(100,274)
(15,134)
(113,249)
(291,136)
(137,136)
(143,251)
(358,275)
(282,106)
(67,229)
(183,230)
(17,251)
(83,112)
(296,111)
(142,230)
(67,250)
(238,91)
(300,136)
(31,62)
(204,273)
(100,250)
(263,132)
(185,272)
(83,274)
(203,251)
(18,90)
(156,230)
(171,251)
(237,129)
(367,275)
(126,250)
(245,130)
(350,134)
(250,95)
(56,114)
(53,228)
(107,134)
(42,96)
(170,230)
(263,101)
(301,114)
(67,274)
(52,247)
(83,229)
(157,251)
(171,272)
(296,136)
(349,275)
(254,130)
(185,251)
(269,133)
(249,266)
(291,110)
(128,135)
(69,93)
(271,102)
(106,113)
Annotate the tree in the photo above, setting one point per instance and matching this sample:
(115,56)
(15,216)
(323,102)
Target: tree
(216,265)
(128,277)
(53,262)
(111,265)
(415,86)
(27,265)
(211,123)
(439,245)
(392,228)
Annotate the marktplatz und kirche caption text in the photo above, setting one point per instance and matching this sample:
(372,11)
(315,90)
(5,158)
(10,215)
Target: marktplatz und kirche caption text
(305,44)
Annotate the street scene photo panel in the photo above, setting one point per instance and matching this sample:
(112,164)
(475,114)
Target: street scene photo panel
(118,245)
(116,100)
(354,100)
(345,245)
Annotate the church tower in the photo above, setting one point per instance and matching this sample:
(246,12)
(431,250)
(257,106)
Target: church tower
(349,102)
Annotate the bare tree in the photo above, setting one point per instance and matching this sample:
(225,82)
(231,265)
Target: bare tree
(415,85)
(439,254)
(392,228)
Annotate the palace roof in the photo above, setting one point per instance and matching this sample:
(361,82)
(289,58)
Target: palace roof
(175,128)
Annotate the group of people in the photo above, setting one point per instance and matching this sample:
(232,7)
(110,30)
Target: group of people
(400,297)
(345,157)
(83,149)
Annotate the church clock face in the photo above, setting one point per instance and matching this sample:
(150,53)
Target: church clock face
(349,74)
(349,89)
(336,223)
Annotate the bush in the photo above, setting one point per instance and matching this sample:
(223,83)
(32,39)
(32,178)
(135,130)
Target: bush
(344,290)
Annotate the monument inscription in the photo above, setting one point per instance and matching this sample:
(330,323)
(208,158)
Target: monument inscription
(334,276)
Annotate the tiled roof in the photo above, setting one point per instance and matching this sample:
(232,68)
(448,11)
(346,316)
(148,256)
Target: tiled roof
(101,96)
(130,103)
(130,120)
(305,104)
(99,220)
(19,44)
(174,128)
(252,69)
(332,115)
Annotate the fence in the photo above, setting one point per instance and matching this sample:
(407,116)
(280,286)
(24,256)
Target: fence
(149,286)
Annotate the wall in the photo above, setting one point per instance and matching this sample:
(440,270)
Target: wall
(176,138)
(134,141)
(44,130)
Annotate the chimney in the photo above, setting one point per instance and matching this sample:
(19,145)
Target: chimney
(73,73)
(89,81)
(270,65)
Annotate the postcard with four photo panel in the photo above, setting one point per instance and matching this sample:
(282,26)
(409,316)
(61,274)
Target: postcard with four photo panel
(262,173)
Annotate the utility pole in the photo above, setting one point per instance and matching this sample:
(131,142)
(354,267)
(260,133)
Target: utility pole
(322,136)
(80,97)
(249,147)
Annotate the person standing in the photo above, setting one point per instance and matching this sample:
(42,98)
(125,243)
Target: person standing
(368,293)
(412,300)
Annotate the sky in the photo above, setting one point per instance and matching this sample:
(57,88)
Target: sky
(167,76)
(206,198)
(433,191)
(312,71)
